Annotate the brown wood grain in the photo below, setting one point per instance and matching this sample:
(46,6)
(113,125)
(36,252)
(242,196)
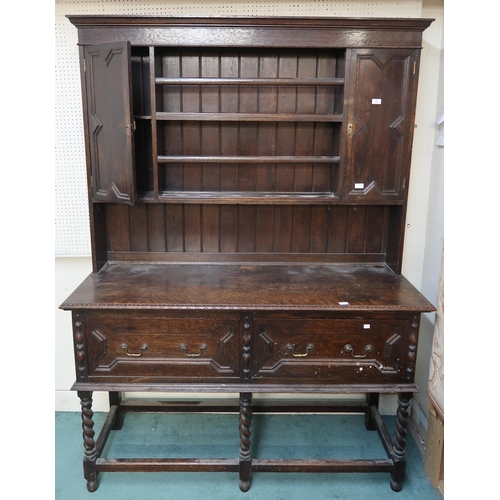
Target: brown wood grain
(254,287)
(247,228)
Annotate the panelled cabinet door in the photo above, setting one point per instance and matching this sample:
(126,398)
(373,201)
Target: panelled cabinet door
(380,123)
(110,122)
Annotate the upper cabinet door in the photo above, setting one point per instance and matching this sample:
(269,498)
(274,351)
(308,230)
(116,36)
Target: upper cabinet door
(380,122)
(110,122)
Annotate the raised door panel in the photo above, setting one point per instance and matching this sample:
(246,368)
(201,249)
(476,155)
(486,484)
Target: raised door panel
(110,122)
(380,123)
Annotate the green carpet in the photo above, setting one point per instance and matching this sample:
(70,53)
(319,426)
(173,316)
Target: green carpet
(216,436)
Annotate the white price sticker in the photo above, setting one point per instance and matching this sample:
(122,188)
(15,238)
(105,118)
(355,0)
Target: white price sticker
(376,101)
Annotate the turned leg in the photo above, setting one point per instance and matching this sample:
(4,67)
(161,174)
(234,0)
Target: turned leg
(398,472)
(245,457)
(90,451)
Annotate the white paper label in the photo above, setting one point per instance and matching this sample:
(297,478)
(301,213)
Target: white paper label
(343,303)
(367,326)
(376,101)
(359,185)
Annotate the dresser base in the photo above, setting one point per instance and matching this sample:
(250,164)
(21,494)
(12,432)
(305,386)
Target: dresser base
(244,464)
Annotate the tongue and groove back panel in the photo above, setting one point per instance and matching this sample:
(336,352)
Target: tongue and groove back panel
(285,137)
(287,229)
(241,150)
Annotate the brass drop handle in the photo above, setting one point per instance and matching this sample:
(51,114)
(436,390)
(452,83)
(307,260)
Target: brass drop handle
(183,347)
(291,347)
(134,354)
(350,348)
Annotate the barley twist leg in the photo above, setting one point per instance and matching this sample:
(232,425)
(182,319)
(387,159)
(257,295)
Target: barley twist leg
(245,457)
(89,445)
(399,456)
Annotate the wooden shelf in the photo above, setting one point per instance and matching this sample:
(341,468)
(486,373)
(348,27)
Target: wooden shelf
(299,82)
(250,117)
(245,197)
(249,159)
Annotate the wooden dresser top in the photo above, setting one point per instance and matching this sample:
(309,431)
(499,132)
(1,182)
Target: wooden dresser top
(301,287)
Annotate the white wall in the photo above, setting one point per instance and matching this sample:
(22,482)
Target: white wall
(424,238)
(425,219)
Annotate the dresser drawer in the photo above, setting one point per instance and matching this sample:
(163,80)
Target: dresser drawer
(161,349)
(334,351)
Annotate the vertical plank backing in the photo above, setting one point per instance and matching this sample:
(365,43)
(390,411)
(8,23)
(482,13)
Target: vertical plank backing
(171,102)
(174,228)
(264,229)
(151,129)
(210,138)
(141,89)
(337,230)
(142,93)
(283,228)
(138,227)
(146,176)
(323,175)
(306,103)
(192,228)
(191,131)
(117,222)
(356,220)
(285,140)
(301,229)
(229,103)
(229,228)
(266,140)
(249,228)
(249,99)
(319,229)
(210,228)
(375,232)
(156,227)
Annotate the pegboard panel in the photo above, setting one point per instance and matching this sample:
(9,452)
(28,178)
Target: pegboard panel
(72,221)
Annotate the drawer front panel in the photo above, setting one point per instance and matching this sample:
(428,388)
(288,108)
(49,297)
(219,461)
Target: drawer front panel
(334,351)
(162,349)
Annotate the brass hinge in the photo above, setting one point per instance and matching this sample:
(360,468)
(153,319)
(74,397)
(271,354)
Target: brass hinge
(414,67)
(84,65)
(130,128)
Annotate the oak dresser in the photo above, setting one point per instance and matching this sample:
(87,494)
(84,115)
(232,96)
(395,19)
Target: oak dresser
(248,182)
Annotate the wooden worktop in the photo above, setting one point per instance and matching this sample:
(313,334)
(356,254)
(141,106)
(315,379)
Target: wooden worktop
(323,287)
